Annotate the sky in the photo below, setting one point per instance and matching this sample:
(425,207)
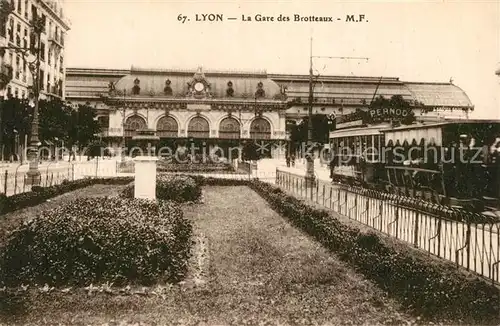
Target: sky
(431,41)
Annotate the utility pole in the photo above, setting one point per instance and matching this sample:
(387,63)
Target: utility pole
(310,178)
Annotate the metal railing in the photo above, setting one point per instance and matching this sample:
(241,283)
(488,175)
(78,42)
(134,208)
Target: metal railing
(14,179)
(447,233)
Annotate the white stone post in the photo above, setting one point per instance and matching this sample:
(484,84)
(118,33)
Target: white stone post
(145,177)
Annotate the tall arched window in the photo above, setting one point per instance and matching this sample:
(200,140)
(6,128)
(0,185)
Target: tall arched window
(167,127)
(229,128)
(260,129)
(132,124)
(198,128)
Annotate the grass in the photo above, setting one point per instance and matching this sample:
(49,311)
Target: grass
(249,267)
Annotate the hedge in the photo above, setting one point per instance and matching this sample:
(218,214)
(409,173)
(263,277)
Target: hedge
(178,188)
(196,167)
(96,240)
(39,194)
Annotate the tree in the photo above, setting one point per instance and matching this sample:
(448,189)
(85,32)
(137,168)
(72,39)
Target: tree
(83,127)
(56,120)
(250,151)
(15,123)
(320,131)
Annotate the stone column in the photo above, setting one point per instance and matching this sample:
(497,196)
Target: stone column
(145,177)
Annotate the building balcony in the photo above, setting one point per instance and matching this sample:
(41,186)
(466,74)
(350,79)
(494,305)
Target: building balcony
(57,40)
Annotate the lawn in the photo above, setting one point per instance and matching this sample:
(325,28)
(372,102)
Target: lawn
(249,266)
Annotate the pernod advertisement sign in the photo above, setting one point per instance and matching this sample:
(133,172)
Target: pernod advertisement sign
(384,114)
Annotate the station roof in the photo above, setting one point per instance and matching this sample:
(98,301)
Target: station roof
(357,91)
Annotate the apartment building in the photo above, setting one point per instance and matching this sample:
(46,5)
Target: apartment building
(16,31)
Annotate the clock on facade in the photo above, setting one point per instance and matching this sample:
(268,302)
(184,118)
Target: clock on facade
(199,87)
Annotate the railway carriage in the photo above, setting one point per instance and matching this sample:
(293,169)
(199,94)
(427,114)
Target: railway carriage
(451,162)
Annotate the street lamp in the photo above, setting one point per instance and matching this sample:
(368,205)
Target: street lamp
(38,27)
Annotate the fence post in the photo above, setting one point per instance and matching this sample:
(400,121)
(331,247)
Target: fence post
(338,201)
(72,171)
(15,183)
(51,178)
(5,182)
(381,212)
(396,212)
(96,165)
(323,195)
(467,237)
(345,203)
(24,183)
(415,236)
(439,237)
(317,192)
(367,209)
(331,189)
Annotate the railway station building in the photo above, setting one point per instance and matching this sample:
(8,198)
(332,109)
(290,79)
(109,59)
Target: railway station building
(227,108)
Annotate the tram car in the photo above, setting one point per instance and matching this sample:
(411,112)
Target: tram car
(455,163)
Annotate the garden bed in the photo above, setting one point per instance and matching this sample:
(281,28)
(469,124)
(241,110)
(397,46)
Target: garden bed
(12,220)
(433,288)
(249,267)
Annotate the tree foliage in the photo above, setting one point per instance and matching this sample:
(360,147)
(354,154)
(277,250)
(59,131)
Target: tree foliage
(250,151)
(321,127)
(57,122)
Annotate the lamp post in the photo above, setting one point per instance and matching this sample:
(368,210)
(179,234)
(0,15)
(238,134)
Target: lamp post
(123,128)
(38,26)
(310,158)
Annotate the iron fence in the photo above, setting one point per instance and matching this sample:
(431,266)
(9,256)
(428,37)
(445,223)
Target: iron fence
(470,240)
(15,179)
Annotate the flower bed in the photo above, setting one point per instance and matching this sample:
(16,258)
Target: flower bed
(178,188)
(96,240)
(40,194)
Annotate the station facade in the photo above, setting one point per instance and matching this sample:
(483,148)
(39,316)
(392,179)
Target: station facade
(229,108)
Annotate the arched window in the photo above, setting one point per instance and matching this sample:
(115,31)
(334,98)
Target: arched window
(260,129)
(167,127)
(198,128)
(229,128)
(132,124)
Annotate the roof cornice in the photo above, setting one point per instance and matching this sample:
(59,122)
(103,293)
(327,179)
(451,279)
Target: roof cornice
(64,23)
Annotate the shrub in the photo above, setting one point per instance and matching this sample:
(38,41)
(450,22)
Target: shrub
(93,240)
(196,167)
(178,188)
